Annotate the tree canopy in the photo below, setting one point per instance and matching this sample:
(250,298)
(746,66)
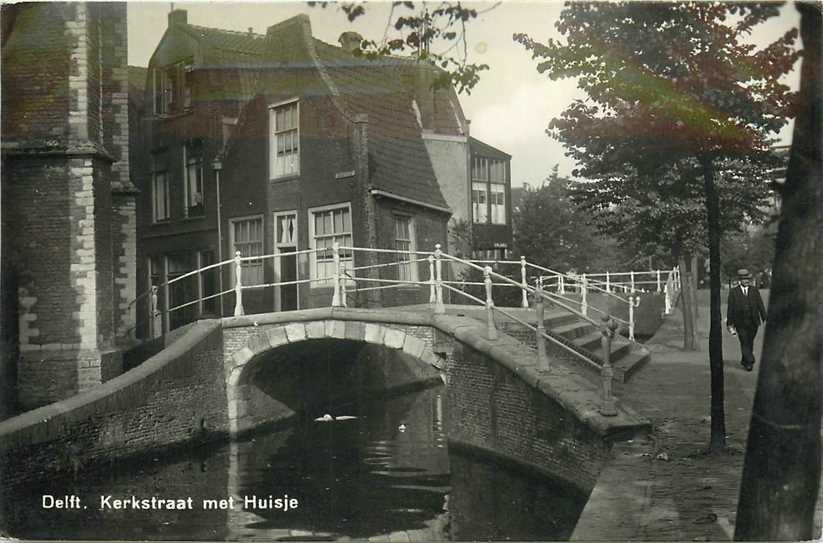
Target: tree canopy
(670,85)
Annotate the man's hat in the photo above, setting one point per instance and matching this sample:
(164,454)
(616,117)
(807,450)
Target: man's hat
(743,273)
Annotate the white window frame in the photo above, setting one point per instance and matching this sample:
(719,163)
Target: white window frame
(165,95)
(249,263)
(347,261)
(278,166)
(480,210)
(497,213)
(187,192)
(411,271)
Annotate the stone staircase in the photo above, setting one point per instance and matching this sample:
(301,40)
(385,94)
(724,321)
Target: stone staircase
(627,358)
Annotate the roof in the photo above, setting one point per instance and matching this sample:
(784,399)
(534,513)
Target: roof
(386,90)
(485,149)
(383,89)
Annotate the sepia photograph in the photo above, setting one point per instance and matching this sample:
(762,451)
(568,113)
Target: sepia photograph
(404,271)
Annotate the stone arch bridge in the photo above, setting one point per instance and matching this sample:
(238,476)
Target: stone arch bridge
(220,378)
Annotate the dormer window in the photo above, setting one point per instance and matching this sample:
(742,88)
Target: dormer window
(284,140)
(172,91)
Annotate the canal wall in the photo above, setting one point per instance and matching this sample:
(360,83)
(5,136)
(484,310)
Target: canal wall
(206,385)
(177,395)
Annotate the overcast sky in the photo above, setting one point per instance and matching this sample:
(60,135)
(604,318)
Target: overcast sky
(511,106)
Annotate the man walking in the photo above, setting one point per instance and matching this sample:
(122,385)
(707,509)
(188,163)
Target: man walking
(744,312)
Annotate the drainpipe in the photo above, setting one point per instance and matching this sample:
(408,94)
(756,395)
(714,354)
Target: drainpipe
(362,194)
(217,166)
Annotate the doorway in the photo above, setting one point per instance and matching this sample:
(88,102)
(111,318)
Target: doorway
(285,244)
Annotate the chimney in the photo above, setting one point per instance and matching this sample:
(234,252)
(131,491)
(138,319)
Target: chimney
(350,41)
(177,16)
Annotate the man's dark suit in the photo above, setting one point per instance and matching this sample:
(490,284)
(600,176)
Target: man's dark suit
(745,313)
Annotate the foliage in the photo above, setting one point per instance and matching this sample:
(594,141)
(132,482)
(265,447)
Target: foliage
(419,29)
(670,85)
(663,209)
(551,231)
(752,249)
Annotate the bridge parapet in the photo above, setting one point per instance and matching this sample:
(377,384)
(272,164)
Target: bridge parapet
(497,398)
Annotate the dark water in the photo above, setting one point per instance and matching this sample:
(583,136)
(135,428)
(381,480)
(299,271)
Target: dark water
(386,474)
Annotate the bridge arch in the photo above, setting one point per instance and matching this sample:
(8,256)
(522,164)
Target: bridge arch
(245,353)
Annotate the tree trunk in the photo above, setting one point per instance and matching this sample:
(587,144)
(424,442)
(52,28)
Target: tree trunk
(687,306)
(695,310)
(718,437)
(781,474)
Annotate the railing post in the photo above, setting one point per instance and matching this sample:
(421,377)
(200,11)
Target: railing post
(238,286)
(523,282)
(561,286)
(658,281)
(667,297)
(156,322)
(438,278)
(608,406)
(432,294)
(634,301)
(335,298)
(542,359)
(631,275)
(492,331)
(584,294)
(342,277)
(608,283)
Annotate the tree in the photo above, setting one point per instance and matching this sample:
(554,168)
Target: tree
(651,203)
(436,35)
(550,230)
(781,473)
(676,82)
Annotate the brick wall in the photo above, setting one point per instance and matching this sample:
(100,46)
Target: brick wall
(57,108)
(490,407)
(177,396)
(215,380)
(36,63)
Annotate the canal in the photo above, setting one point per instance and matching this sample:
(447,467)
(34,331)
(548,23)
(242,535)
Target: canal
(383,469)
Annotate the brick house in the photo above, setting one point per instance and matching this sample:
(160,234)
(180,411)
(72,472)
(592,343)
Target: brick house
(68,205)
(280,142)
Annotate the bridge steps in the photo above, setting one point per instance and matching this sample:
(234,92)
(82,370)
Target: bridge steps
(626,358)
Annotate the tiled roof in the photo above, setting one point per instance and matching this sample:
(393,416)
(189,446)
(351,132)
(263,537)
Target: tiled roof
(222,46)
(382,89)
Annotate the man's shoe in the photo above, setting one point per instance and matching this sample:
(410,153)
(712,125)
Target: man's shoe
(749,366)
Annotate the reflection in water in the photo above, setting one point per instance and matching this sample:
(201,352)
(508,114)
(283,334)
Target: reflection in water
(386,471)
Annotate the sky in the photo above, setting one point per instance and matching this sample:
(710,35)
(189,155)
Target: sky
(509,108)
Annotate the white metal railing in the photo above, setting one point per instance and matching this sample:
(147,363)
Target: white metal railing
(534,282)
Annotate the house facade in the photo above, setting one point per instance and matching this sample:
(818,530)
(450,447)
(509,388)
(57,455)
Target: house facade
(279,143)
(491,201)
(68,204)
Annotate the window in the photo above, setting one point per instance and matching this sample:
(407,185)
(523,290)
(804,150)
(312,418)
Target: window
(488,190)
(284,140)
(498,204)
(172,92)
(160,189)
(194,179)
(404,241)
(327,225)
(247,237)
(480,196)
